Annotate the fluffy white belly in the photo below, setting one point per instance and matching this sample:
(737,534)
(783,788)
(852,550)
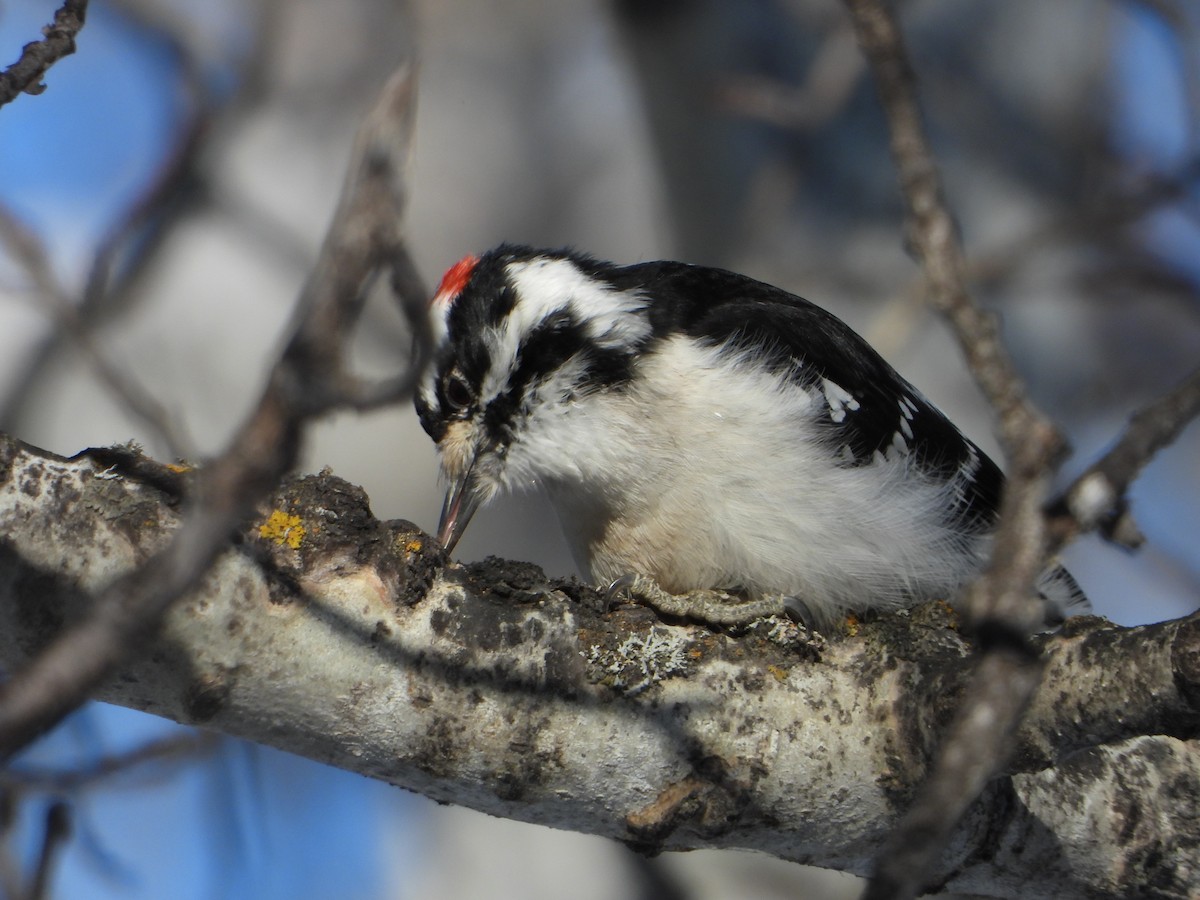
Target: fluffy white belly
(734,488)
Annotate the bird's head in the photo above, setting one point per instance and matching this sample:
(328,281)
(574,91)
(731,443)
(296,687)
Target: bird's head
(522,337)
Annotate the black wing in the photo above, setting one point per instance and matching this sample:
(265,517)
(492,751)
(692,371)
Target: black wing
(873,410)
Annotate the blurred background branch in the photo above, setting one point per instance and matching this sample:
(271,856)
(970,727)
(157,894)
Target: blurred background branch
(1097,498)
(25,248)
(312,378)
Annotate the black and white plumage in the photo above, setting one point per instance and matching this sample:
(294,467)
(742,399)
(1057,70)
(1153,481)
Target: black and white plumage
(704,429)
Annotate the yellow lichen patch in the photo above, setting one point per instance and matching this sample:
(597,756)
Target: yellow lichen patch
(951,614)
(779,672)
(283,529)
(852,625)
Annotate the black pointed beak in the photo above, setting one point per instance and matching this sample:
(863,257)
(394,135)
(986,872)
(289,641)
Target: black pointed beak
(462,500)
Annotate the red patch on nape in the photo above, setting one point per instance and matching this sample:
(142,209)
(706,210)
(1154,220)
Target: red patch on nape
(455,280)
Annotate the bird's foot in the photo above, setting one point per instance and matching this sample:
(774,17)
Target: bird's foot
(710,607)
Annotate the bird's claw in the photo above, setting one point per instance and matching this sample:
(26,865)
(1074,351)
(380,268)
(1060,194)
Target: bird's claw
(622,588)
(800,613)
(711,607)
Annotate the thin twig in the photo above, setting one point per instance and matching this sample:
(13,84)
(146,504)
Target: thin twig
(25,75)
(130,242)
(28,251)
(1105,215)
(363,238)
(1096,499)
(1001,603)
(176,747)
(834,73)
(58,829)
(11,882)
(932,230)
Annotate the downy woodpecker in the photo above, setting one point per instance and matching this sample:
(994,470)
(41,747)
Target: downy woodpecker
(703,435)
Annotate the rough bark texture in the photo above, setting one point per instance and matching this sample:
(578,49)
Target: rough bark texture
(58,40)
(328,633)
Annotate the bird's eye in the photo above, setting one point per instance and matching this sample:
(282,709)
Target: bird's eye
(457,391)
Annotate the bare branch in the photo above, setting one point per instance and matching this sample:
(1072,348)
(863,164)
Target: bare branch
(175,748)
(364,236)
(57,830)
(29,253)
(931,229)
(835,72)
(325,632)
(25,75)
(1096,499)
(1102,218)
(1001,603)
(170,192)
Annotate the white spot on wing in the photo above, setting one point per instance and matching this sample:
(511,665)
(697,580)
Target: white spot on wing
(839,400)
(970,466)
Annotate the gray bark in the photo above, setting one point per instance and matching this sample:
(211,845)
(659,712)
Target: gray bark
(328,633)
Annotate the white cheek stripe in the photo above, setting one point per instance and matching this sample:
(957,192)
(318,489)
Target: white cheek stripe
(439,330)
(610,317)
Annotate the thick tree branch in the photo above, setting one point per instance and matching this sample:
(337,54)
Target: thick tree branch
(310,379)
(25,75)
(327,633)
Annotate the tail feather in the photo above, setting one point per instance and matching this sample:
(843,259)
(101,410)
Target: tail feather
(1062,595)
